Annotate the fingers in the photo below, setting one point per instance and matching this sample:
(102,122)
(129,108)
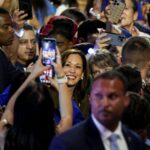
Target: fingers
(37,49)
(58,56)
(19,17)
(102,40)
(40,55)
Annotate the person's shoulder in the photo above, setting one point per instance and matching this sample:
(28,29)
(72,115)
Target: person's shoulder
(142,28)
(3,58)
(2,53)
(75,130)
(133,137)
(71,138)
(130,132)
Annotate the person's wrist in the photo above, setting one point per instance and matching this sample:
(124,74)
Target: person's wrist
(61,79)
(61,75)
(4,121)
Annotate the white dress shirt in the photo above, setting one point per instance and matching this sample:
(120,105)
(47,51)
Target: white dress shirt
(105,134)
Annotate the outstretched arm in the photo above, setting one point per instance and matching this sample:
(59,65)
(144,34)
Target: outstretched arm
(65,96)
(8,113)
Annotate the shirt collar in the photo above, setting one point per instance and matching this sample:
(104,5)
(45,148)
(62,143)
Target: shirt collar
(104,132)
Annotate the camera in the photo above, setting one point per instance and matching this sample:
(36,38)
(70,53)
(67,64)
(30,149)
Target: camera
(116,39)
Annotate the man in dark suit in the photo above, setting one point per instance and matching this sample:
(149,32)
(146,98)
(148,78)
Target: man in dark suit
(7,71)
(108,99)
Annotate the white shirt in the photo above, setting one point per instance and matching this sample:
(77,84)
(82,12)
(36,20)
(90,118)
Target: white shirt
(105,134)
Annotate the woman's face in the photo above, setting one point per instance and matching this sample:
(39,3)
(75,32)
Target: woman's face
(128,16)
(73,69)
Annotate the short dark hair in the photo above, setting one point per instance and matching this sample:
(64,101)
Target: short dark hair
(89,27)
(60,25)
(136,51)
(3,11)
(133,77)
(112,75)
(137,114)
(134,5)
(27,26)
(74,14)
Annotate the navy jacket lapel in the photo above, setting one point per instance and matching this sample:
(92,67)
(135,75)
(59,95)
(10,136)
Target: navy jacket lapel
(93,136)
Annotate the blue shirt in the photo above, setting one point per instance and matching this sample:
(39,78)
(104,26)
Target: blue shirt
(77,114)
(4,96)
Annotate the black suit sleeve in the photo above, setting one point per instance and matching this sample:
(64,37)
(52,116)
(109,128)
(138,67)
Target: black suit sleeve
(57,144)
(8,72)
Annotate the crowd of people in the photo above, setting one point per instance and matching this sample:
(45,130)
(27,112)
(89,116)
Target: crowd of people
(96,91)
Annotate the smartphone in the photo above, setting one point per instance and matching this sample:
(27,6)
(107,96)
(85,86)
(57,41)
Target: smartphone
(48,46)
(26,6)
(116,10)
(48,51)
(116,39)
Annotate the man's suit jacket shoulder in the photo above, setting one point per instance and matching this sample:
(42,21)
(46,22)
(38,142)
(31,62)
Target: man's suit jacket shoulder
(7,71)
(82,136)
(86,136)
(133,140)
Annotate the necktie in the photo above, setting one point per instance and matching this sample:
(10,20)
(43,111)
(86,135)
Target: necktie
(113,142)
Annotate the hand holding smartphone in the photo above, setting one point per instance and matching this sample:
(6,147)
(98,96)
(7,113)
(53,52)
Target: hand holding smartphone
(26,6)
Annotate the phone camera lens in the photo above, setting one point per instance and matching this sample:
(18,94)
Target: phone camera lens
(121,38)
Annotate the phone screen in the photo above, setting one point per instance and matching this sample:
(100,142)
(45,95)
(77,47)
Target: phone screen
(48,56)
(27,7)
(48,51)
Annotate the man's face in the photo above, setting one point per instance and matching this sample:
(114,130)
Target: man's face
(6,30)
(108,100)
(27,47)
(129,16)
